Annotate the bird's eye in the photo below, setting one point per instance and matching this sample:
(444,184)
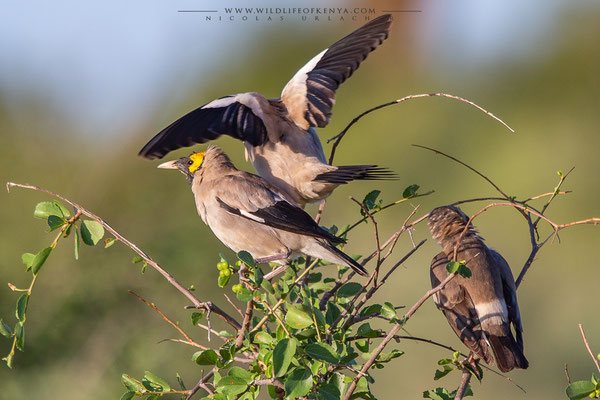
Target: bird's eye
(190,162)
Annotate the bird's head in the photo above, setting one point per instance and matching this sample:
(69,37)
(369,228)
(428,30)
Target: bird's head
(186,165)
(448,222)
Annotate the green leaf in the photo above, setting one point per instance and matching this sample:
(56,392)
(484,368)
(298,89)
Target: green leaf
(46,208)
(437,394)
(321,352)
(329,391)
(165,387)
(109,242)
(224,280)
(91,232)
(206,357)
(196,317)
(348,290)
(385,357)
(283,353)
(27,259)
(76,245)
(244,294)
(332,314)
(452,267)
(388,310)
(410,191)
(373,309)
(232,385)
(365,331)
(459,268)
(246,258)
(132,384)
(443,372)
(22,307)
(298,383)
(20,336)
(263,337)
(128,395)
(55,222)
(362,345)
(180,381)
(464,271)
(370,198)
(298,317)
(5,329)
(241,374)
(580,389)
(40,259)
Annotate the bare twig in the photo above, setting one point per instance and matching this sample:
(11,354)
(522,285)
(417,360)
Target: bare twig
(239,341)
(393,332)
(340,135)
(202,384)
(464,384)
(376,233)
(567,374)
(234,305)
(466,165)
(587,346)
(174,325)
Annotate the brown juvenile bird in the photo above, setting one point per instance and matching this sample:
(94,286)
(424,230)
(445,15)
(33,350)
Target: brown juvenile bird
(480,309)
(248,213)
(279,134)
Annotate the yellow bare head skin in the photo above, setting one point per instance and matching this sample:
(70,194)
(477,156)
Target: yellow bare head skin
(197,161)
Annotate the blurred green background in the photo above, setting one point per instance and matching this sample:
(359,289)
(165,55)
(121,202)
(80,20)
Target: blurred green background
(83,87)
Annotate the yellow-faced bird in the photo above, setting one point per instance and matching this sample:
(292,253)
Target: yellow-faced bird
(279,134)
(248,213)
(482,308)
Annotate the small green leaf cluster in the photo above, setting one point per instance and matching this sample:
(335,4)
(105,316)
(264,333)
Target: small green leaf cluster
(151,387)
(57,217)
(581,389)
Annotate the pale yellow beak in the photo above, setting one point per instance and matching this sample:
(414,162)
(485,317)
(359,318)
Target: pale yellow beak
(168,165)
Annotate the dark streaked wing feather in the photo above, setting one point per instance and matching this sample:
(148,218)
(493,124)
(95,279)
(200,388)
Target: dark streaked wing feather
(204,124)
(336,65)
(254,198)
(457,306)
(283,215)
(348,173)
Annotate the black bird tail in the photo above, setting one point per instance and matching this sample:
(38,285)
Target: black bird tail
(508,353)
(344,258)
(348,173)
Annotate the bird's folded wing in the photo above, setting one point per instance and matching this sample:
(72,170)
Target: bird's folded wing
(310,95)
(509,290)
(250,197)
(230,115)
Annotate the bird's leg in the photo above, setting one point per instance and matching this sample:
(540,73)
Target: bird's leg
(276,272)
(275,257)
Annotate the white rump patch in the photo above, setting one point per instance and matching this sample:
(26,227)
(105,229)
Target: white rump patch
(494,312)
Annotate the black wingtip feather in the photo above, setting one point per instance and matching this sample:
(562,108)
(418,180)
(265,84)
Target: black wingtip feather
(348,173)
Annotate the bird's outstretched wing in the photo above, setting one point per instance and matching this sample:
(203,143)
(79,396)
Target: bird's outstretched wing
(310,95)
(237,116)
(251,197)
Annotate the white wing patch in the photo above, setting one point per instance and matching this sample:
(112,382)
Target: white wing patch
(298,81)
(252,216)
